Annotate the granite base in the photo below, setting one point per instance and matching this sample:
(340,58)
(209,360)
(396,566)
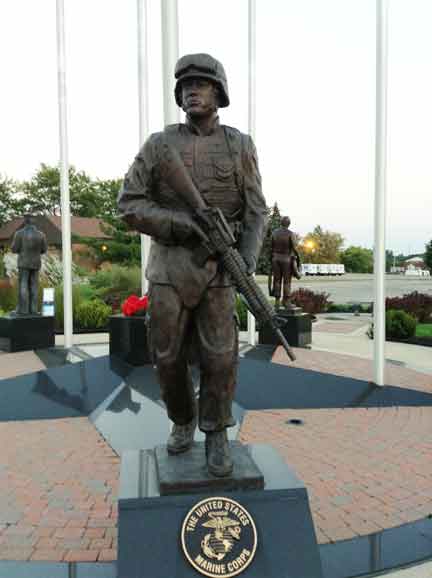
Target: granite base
(26,332)
(149,544)
(295,325)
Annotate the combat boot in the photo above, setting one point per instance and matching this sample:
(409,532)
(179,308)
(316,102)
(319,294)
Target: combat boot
(219,461)
(181,437)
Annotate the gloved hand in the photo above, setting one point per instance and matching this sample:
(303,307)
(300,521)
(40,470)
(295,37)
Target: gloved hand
(183,227)
(250,262)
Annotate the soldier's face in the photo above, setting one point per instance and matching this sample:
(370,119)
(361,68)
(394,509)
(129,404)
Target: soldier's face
(199,97)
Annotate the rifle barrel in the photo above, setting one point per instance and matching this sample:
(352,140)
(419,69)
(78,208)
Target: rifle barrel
(285,344)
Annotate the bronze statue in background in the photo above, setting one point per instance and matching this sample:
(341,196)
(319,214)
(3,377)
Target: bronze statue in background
(192,303)
(29,243)
(285,263)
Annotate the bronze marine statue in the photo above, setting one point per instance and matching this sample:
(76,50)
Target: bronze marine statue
(29,243)
(195,188)
(285,263)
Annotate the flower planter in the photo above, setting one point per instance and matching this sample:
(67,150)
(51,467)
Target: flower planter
(128,339)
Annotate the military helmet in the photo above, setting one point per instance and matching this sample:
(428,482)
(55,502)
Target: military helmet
(201,66)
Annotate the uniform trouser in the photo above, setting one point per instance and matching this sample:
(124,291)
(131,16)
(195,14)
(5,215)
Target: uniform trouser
(282,272)
(211,330)
(28,281)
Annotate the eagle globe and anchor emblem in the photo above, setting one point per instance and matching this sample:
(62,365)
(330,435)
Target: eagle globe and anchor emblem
(219,537)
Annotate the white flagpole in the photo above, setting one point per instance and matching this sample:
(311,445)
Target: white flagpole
(251,116)
(64,179)
(142,29)
(380,190)
(170,50)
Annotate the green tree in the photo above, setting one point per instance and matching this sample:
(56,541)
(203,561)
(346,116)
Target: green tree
(321,246)
(88,198)
(41,195)
(124,245)
(10,206)
(42,192)
(274,222)
(106,192)
(428,255)
(357,260)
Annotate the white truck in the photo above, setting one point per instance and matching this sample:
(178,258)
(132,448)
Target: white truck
(309,269)
(322,269)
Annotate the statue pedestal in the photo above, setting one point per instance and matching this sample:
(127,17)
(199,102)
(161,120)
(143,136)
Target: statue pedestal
(128,339)
(193,531)
(296,327)
(26,332)
(187,472)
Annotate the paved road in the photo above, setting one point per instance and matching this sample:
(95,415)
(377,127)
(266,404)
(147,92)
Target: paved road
(359,288)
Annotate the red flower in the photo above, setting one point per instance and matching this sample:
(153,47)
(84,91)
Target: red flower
(134,305)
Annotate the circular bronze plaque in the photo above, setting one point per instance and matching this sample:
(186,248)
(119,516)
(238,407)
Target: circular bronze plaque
(219,537)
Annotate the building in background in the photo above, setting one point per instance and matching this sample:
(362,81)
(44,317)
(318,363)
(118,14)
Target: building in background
(414,266)
(81,228)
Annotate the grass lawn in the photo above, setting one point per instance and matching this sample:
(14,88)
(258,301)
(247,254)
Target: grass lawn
(424,330)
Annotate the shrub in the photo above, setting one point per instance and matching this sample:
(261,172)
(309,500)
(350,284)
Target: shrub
(310,301)
(2,267)
(84,316)
(114,285)
(8,295)
(93,314)
(349,308)
(417,304)
(58,298)
(398,325)
(10,262)
(52,271)
(339,308)
(87,292)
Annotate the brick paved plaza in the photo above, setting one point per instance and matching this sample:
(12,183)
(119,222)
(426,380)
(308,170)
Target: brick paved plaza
(365,469)
(59,483)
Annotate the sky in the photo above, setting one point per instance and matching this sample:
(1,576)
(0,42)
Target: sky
(315,115)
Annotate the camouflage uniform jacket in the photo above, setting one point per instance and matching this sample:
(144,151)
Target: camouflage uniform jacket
(224,167)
